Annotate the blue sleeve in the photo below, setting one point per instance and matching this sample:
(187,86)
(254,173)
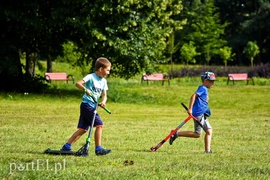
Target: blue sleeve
(200,91)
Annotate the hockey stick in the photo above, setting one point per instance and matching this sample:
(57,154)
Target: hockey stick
(106,109)
(153,149)
(194,119)
(83,151)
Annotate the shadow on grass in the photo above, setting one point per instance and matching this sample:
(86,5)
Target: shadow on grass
(75,93)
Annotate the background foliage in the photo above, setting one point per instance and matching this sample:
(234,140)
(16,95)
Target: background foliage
(136,36)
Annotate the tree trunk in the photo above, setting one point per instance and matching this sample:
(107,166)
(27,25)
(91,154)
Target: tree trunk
(171,56)
(30,64)
(49,65)
(251,61)
(10,67)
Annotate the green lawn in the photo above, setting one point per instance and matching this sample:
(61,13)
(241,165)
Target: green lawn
(141,117)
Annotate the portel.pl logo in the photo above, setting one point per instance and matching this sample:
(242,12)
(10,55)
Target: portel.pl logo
(37,165)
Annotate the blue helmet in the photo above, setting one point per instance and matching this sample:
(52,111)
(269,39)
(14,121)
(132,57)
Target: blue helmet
(209,75)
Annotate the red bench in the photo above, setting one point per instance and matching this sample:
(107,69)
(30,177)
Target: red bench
(239,77)
(58,76)
(155,77)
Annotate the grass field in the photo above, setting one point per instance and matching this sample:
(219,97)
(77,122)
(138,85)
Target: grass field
(141,117)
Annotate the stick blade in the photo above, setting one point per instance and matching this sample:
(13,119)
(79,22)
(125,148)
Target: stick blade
(83,151)
(58,152)
(153,149)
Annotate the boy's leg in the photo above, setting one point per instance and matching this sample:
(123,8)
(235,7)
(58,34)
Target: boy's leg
(191,134)
(99,150)
(73,139)
(188,134)
(197,129)
(76,136)
(98,134)
(83,124)
(208,136)
(207,140)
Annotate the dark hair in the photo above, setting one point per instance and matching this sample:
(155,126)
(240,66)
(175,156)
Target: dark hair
(102,62)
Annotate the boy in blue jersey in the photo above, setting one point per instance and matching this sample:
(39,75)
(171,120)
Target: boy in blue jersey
(198,107)
(94,85)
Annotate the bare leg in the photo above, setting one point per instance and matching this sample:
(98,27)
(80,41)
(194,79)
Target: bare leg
(207,139)
(76,136)
(99,150)
(188,134)
(98,134)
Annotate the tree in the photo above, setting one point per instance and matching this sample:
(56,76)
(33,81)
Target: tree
(31,27)
(172,48)
(226,54)
(257,28)
(251,50)
(70,53)
(247,21)
(188,52)
(132,34)
(204,29)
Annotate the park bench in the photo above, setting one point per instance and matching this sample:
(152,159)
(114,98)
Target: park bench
(239,77)
(155,77)
(58,76)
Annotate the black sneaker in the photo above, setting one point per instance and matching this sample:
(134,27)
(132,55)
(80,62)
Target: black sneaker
(208,152)
(173,137)
(102,152)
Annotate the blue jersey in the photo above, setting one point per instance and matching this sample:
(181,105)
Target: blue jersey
(200,106)
(96,85)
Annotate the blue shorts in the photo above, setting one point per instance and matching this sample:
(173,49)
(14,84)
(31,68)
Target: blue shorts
(86,117)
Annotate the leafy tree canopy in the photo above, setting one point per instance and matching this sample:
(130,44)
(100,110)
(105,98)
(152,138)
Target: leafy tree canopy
(131,33)
(204,29)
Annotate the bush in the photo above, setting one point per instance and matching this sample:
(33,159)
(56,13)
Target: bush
(262,70)
(24,83)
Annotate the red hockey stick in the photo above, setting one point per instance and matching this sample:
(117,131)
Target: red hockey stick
(153,149)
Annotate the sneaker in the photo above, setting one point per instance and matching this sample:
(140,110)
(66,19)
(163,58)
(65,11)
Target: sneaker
(102,151)
(66,147)
(208,151)
(173,137)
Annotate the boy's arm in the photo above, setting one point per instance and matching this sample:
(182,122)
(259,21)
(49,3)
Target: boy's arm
(103,98)
(80,85)
(191,102)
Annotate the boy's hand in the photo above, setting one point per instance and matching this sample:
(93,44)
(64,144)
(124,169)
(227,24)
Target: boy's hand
(88,92)
(102,104)
(189,111)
